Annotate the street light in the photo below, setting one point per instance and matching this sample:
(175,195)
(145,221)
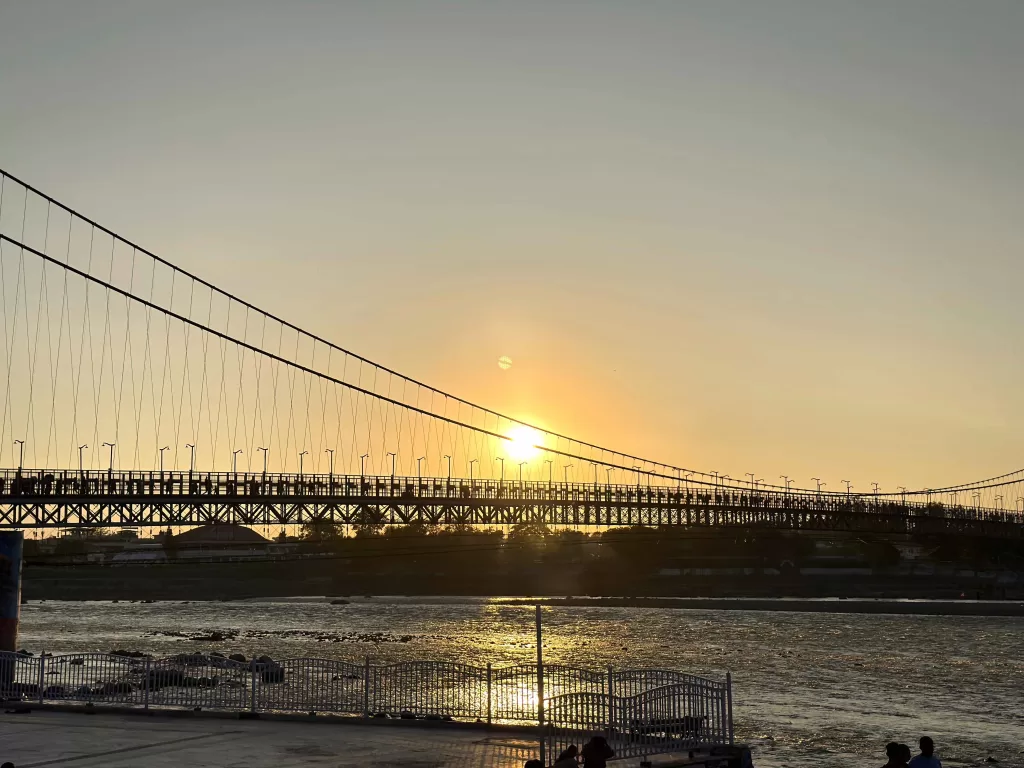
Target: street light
(751,476)
(265,452)
(234,460)
(551,466)
(875,487)
(903,493)
(849,485)
(785,479)
(595,473)
(1000,500)
(419,474)
(21,454)
(80,449)
(192,461)
(362,465)
(715,474)
(330,480)
(521,471)
(818,481)
(161,458)
(111,446)
(471,463)
(608,472)
(637,470)
(393,457)
(502,460)
(446,456)
(565,469)
(304,453)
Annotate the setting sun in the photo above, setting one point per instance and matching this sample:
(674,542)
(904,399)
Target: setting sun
(523,443)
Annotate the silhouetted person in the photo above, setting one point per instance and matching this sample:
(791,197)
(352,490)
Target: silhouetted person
(895,753)
(7,765)
(927,758)
(596,752)
(568,757)
(528,764)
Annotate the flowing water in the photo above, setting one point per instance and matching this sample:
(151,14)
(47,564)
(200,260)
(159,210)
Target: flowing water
(811,689)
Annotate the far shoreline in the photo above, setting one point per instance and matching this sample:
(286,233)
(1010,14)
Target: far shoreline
(837,605)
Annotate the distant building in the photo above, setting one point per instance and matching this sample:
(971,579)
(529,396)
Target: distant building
(219,540)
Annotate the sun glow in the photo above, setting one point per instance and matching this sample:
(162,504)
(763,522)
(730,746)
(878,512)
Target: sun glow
(523,443)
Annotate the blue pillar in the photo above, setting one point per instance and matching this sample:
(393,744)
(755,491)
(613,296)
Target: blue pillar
(11,544)
(10,600)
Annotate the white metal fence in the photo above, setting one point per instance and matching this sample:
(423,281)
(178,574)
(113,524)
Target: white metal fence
(639,711)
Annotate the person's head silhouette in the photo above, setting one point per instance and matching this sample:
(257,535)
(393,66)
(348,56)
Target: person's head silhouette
(927,746)
(7,765)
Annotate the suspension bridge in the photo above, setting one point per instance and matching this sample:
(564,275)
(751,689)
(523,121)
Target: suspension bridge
(139,394)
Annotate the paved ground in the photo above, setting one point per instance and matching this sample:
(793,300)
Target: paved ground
(75,740)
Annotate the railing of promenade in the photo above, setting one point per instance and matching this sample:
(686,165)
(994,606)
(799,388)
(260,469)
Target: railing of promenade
(238,487)
(413,689)
(690,713)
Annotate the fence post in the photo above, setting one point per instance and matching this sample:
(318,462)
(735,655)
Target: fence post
(252,693)
(611,695)
(42,679)
(488,693)
(540,673)
(145,684)
(366,688)
(728,694)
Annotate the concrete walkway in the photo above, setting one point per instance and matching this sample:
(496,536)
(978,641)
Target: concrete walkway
(41,738)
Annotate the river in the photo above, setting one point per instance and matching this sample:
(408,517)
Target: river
(811,689)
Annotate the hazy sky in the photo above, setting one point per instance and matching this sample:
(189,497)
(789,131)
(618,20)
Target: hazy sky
(775,236)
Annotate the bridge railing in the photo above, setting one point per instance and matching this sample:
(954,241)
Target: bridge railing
(258,490)
(412,689)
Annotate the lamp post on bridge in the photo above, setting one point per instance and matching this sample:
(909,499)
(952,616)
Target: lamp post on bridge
(21,454)
(751,476)
(849,485)
(161,451)
(595,474)
(818,481)
(471,463)
(446,456)
(565,472)
(234,462)
(110,471)
(903,494)
(875,487)
(714,474)
(502,460)
(785,480)
(330,477)
(362,466)
(608,472)
(521,463)
(419,474)
(977,500)
(551,467)
(393,457)
(1000,500)
(265,452)
(191,461)
(81,448)
(637,470)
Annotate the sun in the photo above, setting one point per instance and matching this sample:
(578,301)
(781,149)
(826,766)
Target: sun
(522,443)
